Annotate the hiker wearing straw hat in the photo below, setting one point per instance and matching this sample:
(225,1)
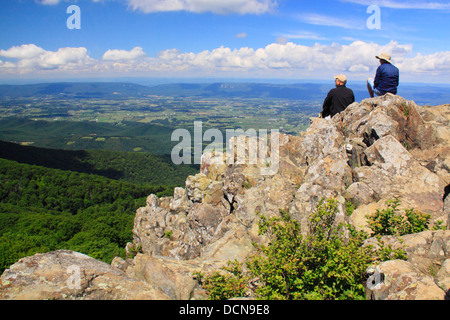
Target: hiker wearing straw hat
(338,98)
(386,78)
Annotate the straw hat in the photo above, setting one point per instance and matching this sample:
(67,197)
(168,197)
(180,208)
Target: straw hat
(342,78)
(384,56)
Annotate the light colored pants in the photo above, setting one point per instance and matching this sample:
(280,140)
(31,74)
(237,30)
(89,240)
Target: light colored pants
(371,84)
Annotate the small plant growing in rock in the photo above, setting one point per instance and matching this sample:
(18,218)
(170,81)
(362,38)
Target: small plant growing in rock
(439,225)
(246,184)
(387,222)
(349,208)
(405,110)
(168,233)
(133,250)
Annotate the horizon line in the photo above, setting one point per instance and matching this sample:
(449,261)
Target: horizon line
(191,80)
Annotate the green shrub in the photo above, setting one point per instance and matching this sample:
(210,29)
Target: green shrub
(323,265)
(389,222)
(228,283)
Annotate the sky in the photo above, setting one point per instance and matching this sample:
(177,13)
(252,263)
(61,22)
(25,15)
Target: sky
(237,39)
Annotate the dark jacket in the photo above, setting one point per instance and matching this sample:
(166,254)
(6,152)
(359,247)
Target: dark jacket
(337,100)
(387,78)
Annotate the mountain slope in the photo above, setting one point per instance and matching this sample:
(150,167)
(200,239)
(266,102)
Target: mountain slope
(140,168)
(44,209)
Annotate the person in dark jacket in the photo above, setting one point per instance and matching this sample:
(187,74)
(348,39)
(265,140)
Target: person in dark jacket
(338,99)
(386,78)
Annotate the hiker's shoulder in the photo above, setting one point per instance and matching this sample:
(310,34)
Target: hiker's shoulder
(344,89)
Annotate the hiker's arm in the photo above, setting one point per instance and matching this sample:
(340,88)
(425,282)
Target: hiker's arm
(326,106)
(376,82)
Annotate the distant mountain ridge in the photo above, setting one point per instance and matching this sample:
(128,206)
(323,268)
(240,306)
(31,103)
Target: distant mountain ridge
(421,94)
(73,90)
(305,91)
(119,90)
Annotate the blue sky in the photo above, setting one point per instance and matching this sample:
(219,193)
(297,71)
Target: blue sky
(280,39)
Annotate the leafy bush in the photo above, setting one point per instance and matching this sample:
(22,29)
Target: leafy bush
(228,283)
(329,263)
(389,222)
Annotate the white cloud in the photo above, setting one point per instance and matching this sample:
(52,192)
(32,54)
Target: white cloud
(277,60)
(24,51)
(299,35)
(359,68)
(405,4)
(436,63)
(48,2)
(200,6)
(64,58)
(322,20)
(55,2)
(32,58)
(116,55)
(289,56)
(241,35)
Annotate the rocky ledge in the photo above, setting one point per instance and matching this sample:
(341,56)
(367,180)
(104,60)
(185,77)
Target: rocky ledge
(376,150)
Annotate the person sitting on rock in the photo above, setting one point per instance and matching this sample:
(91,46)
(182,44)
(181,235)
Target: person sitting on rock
(338,99)
(386,78)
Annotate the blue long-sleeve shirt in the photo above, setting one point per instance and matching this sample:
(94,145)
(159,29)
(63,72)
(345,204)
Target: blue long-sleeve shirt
(387,78)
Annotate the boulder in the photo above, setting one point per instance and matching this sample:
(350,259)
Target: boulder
(393,172)
(174,278)
(443,276)
(399,280)
(69,275)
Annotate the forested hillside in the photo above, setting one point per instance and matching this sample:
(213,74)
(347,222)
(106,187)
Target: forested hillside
(44,209)
(141,168)
(83,200)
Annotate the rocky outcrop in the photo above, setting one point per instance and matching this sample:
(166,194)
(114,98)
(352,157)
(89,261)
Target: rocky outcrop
(376,150)
(424,276)
(379,149)
(68,275)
